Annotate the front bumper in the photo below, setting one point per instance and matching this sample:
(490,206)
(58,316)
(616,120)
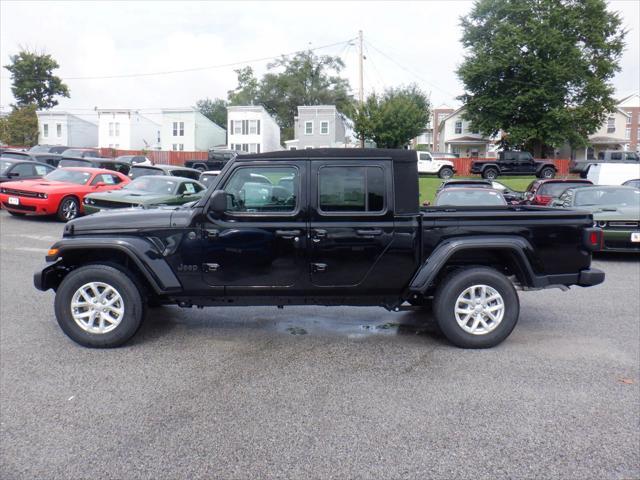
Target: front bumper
(29,205)
(619,241)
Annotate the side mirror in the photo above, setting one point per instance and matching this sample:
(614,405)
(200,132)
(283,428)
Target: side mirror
(13,174)
(218,202)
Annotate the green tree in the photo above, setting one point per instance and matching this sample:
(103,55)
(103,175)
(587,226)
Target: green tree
(247,91)
(20,127)
(304,79)
(215,110)
(34,81)
(540,70)
(393,118)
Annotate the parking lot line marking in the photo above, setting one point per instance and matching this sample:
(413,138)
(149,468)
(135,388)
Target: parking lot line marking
(26,249)
(44,238)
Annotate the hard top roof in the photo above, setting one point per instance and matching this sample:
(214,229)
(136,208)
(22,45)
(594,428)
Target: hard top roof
(395,155)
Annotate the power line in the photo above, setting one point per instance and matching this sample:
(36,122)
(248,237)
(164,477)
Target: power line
(199,69)
(419,77)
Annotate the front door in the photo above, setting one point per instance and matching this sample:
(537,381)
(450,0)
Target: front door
(260,240)
(351,223)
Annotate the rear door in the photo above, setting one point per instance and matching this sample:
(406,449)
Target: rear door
(351,221)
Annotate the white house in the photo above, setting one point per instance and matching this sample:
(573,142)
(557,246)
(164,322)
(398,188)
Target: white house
(127,130)
(455,135)
(62,128)
(252,129)
(188,129)
(317,126)
(613,134)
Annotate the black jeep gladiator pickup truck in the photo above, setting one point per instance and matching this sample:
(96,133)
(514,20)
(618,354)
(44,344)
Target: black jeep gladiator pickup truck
(316,227)
(514,163)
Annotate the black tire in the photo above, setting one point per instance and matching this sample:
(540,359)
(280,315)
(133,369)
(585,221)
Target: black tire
(453,286)
(490,173)
(445,172)
(124,285)
(547,172)
(68,209)
(16,214)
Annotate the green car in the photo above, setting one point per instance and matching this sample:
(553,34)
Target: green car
(616,210)
(146,192)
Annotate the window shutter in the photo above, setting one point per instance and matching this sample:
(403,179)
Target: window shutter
(258,145)
(244,126)
(258,134)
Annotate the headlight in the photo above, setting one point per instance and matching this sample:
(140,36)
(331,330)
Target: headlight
(43,195)
(601,223)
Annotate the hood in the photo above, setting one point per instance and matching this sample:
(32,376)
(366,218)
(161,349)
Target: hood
(631,213)
(128,196)
(38,185)
(114,221)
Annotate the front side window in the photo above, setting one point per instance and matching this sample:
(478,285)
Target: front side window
(42,170)
(23,170)
(324,128)
(261,190)
(308,128)
(351,189)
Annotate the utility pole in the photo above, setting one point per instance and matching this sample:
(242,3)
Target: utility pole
(361,79)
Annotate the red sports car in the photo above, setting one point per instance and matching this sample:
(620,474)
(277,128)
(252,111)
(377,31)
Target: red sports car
(543,192)
(59,193)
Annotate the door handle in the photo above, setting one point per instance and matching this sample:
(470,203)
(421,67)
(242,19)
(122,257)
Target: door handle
(318,267)
(288,234)
(369,233)
(319,233)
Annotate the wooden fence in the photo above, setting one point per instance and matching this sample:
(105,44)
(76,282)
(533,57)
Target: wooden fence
(462,165)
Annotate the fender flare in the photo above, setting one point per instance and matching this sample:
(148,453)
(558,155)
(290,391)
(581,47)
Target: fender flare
(143,252)
(518,246)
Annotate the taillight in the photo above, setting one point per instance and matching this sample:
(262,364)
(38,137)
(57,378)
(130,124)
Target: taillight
(593,239)
(543,199)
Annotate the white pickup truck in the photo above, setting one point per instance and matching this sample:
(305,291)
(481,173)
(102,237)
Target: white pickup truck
(428,165)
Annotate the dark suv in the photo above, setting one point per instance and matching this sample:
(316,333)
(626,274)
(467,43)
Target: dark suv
(514,163)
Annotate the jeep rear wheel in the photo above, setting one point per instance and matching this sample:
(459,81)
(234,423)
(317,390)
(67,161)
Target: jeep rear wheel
(99,306)
(476,307)
(445,173)
(490,173)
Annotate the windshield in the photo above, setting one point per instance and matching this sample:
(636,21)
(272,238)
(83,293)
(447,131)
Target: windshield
(140,171)
(156,184)
(4,166)
(475,197)
(40,149)
(555,189)
(619,197)
(69,162)
(69,176)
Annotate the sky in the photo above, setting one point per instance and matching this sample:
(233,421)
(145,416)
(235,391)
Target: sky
(405,42)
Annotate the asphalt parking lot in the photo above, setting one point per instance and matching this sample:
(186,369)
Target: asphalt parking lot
(318,392)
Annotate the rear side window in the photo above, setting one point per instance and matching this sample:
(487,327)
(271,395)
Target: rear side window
(69,162)
(186,174)
(42,170)
(351,189)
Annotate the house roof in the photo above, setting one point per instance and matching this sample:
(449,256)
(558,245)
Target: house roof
(605,140)
(473,140)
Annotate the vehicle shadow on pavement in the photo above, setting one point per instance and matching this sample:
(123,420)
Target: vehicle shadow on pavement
(161,322)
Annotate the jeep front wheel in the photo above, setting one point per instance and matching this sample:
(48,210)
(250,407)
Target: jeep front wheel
(490,174)
(476,307)
(99,306)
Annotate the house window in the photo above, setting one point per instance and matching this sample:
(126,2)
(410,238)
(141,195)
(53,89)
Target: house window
(237,127)
(458,127)
(181,146)
(178,129)
(308,148)
(181,125)
(611,124)
(629,120)
(253,147)
(292,148)
(174,147)
(111,129)
(245,147)
(324,128)
(45,130)
(308,128)
(253,127)
(627,133)
(158,136)
(117,127)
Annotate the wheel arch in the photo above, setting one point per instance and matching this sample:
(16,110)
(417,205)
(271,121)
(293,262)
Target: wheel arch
(508,255)
(152,271)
